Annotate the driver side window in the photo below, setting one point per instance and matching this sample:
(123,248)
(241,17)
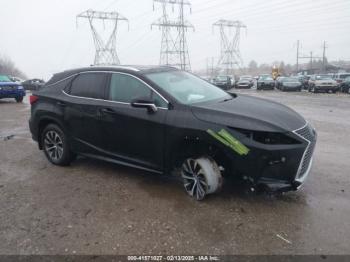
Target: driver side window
(125,88)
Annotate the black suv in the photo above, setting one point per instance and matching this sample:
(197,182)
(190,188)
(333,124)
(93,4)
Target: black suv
(162,119)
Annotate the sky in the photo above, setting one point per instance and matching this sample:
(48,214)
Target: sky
(43,37)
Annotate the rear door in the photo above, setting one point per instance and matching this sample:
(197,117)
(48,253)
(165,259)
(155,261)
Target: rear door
(133,135)
(82,112)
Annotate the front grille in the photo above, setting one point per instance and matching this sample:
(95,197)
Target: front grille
(7,88)
(308,134)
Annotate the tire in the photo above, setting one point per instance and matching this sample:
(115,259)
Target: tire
(201,177)
(55,145)
(19,99)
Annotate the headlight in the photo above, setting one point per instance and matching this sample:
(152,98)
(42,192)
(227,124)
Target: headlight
(20,87)
(269,138)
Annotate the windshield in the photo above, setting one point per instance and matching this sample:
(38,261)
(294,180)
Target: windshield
(323,77)
(245,78)
(222,78)
(4,78)
(291,79)
(187,88)
(266,78)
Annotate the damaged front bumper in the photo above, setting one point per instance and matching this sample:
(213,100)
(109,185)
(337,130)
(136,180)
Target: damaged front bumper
(271,185)
(279,168)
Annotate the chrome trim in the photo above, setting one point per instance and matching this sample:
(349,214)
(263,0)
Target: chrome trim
(103,100)
(118,67)
(154,107)
(111,72)
(304,176)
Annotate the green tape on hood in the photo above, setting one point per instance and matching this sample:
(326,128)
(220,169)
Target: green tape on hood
(228,140)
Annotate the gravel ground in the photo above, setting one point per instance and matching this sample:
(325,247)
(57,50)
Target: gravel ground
(99,208)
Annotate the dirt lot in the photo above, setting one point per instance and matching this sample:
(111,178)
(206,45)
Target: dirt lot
(94,207)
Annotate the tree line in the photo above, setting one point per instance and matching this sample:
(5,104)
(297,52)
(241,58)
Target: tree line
(8,67)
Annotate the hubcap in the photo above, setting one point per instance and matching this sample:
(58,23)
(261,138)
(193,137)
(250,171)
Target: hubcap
(53,145)
(194,179)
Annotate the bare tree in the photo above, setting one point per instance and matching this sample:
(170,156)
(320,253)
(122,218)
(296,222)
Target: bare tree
(8,67)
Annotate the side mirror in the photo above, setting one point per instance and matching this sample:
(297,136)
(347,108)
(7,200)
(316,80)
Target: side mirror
(145,103)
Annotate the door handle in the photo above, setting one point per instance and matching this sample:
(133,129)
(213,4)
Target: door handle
(107,111)
(59,103)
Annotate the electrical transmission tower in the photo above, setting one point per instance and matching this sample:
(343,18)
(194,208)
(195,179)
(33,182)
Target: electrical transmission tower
(174,49)
(106,52)
(230,55)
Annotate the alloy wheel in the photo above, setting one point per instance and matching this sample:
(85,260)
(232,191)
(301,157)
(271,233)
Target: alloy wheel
(194,179)
(53,145)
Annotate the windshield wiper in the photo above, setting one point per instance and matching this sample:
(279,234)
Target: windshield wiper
(226,100)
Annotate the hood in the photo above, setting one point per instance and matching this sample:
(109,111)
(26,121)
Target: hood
(9,84)
(326,82)
(244,82)
(291,84)
(250,113)
(266,81)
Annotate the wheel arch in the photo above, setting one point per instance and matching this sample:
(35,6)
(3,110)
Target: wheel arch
(190,148)
(44,122)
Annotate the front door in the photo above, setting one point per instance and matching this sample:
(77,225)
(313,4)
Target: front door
(133,135)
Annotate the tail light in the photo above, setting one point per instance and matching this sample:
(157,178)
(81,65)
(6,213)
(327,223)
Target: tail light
(339,81)
(33,99)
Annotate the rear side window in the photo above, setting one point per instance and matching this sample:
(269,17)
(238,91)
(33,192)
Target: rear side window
(90,85)
(344,76)
(125,88)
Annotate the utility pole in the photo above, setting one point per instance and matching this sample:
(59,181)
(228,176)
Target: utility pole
(210,67)
(311,60)
(324,57)
(230,56)
(298,44)
(106,52)
(311,57)
(174,48)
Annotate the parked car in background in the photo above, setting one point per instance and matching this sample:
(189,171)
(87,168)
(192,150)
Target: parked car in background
(278,82)
(345,85)
(162,119)
(340,77)
(265,82)
(16,79)
(245,82)
(224,82)
(33,84)
(10,89)
(305,81)
(290,84)
(322,83)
